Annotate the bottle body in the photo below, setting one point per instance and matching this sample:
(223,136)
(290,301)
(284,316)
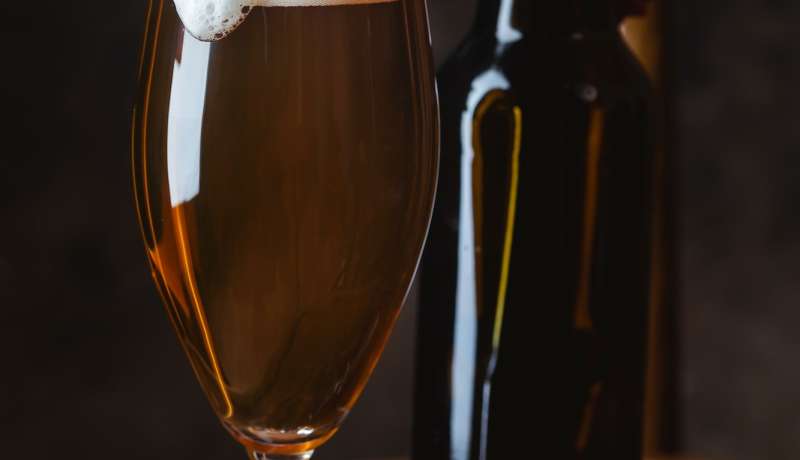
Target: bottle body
(646,35)
(535,283)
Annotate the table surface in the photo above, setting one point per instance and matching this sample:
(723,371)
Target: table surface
(682,457)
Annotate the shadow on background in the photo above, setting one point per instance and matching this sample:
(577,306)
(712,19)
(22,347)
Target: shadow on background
(91,368)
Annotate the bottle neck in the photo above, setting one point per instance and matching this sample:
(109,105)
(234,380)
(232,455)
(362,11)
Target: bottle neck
(512,19)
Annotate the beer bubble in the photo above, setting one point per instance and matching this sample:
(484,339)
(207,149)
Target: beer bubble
(211,20)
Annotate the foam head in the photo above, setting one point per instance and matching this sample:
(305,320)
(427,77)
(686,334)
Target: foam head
(211,20)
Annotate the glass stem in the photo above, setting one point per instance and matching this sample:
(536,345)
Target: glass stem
(256,455)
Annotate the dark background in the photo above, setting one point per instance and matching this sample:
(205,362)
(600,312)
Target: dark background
(737,66)
(90,368)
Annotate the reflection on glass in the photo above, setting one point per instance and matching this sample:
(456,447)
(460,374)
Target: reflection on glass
(185,124)
(466,329)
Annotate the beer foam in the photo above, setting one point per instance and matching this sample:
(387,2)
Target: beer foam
(211,20)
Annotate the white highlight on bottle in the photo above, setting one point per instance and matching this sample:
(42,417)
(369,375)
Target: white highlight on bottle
(506,33)
(466,322)
(211,20)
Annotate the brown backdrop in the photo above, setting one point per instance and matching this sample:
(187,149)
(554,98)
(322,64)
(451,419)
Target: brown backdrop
(90,366)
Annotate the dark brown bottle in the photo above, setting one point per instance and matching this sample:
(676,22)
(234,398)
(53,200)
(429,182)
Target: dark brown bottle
(535,284)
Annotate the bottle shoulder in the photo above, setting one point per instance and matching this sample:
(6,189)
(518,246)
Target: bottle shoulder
(600,61)
(474,56)
(598,67)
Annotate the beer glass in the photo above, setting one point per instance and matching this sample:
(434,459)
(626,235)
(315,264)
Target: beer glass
(284,168)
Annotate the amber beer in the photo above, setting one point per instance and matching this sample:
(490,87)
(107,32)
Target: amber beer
(274,192)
